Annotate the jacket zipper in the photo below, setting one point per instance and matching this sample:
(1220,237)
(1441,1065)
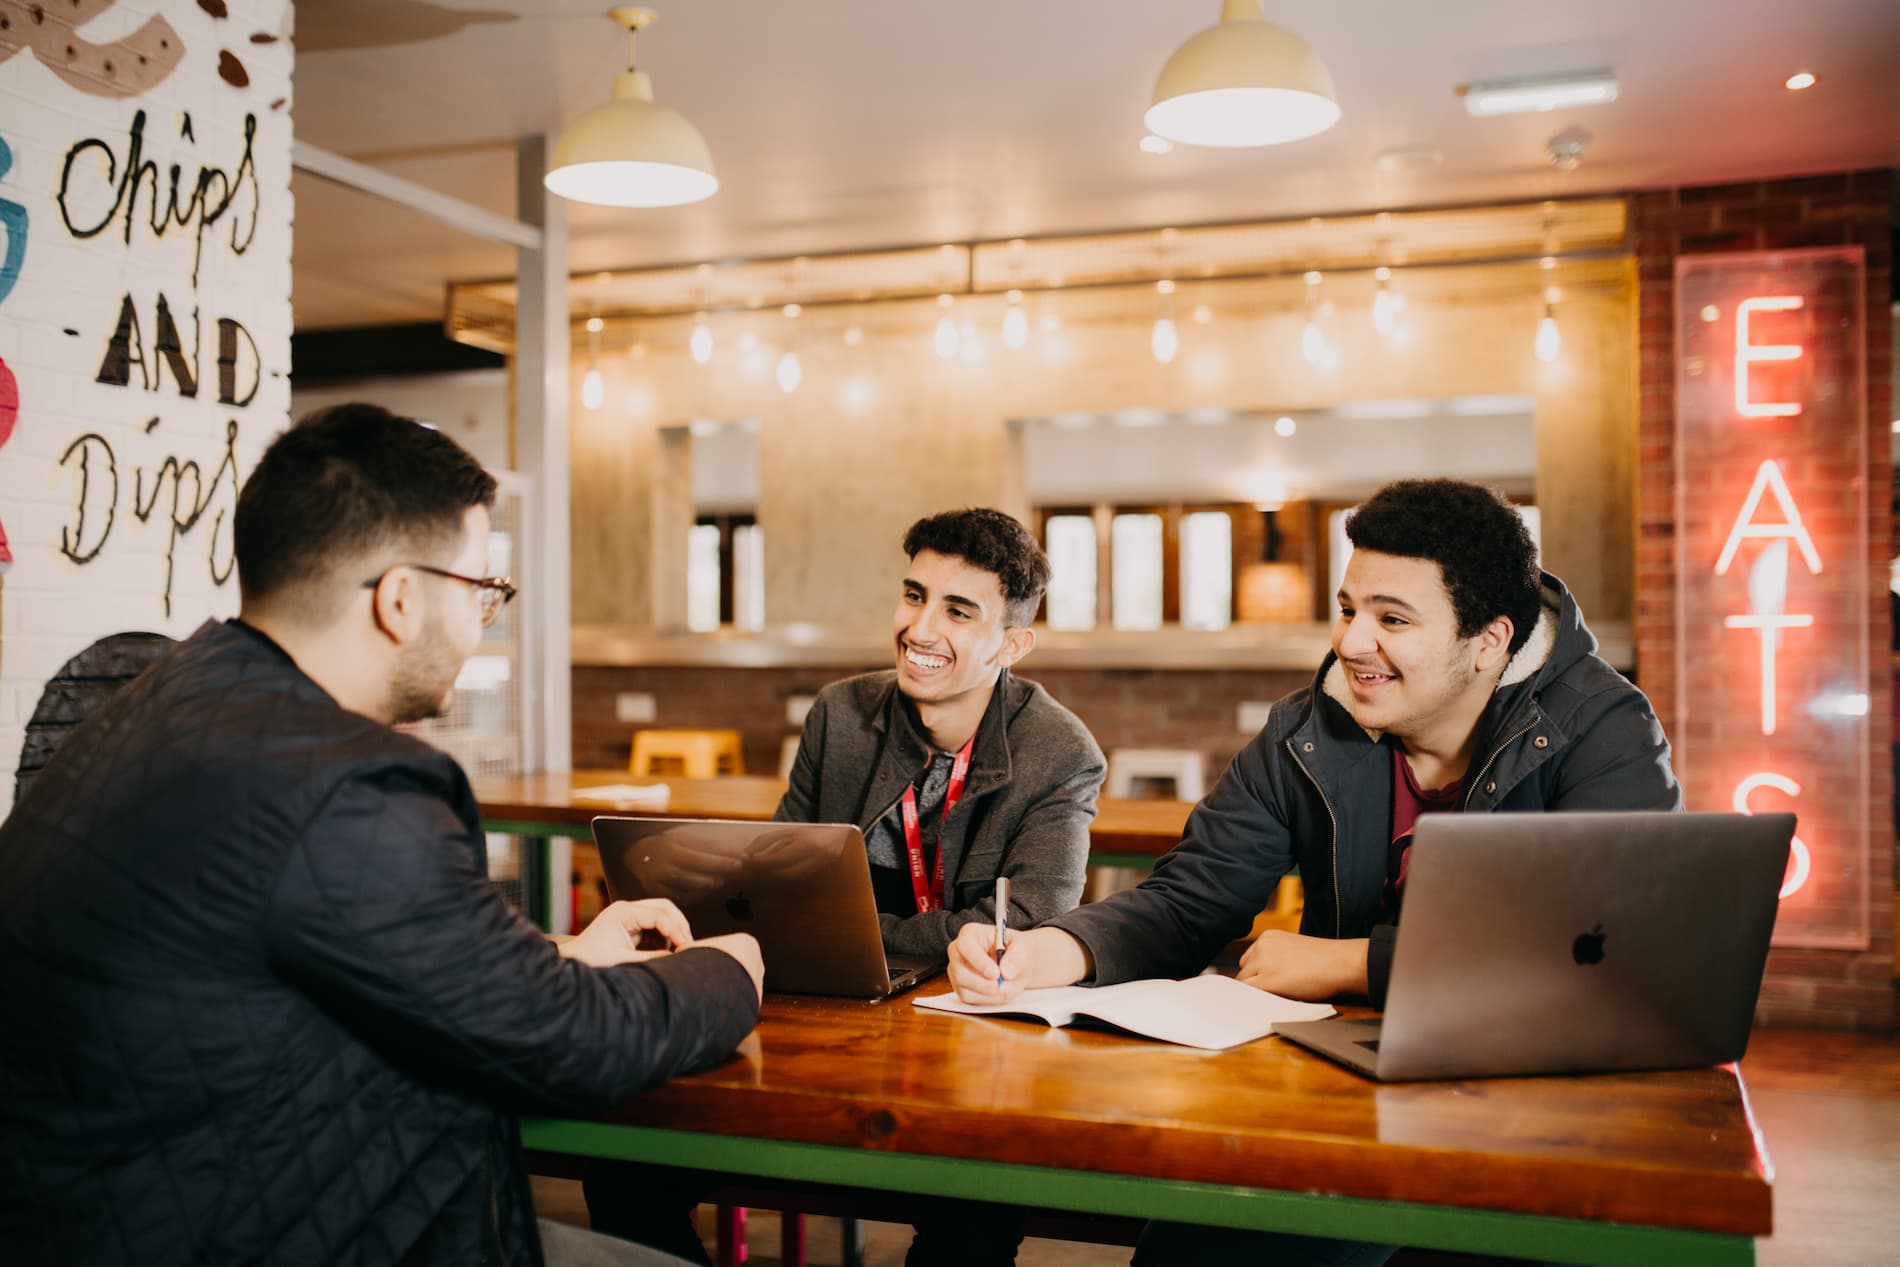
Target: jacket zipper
(1472,787)
(1338,921)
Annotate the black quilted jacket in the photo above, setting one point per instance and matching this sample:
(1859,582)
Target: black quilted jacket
(260,1004)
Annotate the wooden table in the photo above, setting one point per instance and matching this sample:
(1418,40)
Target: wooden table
(538,807)
(1662,1169)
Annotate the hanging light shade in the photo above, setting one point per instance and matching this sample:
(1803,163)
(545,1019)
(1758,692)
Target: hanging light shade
(632,152)
(1243,83)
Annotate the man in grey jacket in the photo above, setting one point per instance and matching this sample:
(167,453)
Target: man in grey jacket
(1002,778)
(957,773)
(1461,679)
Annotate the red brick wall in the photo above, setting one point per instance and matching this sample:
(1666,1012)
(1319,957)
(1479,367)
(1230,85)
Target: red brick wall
(1851,990)
(1123,708)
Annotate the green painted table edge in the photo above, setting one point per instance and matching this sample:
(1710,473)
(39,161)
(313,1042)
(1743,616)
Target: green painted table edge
(1425,1226)
(524,827)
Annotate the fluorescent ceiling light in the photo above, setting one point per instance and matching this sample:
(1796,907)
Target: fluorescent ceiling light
(1540,92)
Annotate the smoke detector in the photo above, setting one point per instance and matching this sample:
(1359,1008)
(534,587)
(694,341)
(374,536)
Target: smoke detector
(1566,148)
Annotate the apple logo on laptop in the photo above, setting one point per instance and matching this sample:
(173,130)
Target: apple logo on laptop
(1588,948)
(739,906)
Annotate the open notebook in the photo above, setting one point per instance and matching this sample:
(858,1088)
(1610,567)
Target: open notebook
(1210,1012)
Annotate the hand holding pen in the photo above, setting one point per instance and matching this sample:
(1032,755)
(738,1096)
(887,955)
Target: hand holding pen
(1002,923)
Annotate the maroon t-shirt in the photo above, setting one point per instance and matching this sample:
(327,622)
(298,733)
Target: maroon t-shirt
(1409,800)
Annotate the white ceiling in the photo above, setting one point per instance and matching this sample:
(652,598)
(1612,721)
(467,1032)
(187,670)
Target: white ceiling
(838,124)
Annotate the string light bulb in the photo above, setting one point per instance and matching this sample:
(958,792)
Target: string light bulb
(946,340)
(1165,342)
(1386,305)
(1315,348)
(752,357)
(1549,341)
(1015,323)
(971,344)
(790,373)
(593,387)
(701,342)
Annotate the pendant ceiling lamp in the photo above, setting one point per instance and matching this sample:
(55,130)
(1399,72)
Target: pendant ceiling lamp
(632,152)
(1243,83)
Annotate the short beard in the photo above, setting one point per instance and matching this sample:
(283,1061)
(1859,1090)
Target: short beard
(424,675)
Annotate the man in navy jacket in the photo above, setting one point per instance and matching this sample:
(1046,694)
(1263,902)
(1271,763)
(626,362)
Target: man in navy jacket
(1461,679)
(265,1005)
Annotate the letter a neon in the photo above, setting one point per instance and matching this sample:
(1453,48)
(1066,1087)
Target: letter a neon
(1768,478)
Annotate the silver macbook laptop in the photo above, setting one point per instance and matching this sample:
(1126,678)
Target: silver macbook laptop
(802,889)
(1571,943)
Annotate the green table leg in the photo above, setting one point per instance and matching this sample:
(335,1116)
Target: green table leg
(537,886)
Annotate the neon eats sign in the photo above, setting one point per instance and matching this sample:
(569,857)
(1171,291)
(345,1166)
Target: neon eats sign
(1767,611)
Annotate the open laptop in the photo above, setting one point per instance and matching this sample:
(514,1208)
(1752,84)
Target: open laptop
(802,889)
(1571,943)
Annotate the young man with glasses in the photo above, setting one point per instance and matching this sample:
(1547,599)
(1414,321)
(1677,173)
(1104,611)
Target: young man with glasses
(279,1013)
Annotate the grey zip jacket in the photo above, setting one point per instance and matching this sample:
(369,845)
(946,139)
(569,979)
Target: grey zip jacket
(1025,812)
(1564,731)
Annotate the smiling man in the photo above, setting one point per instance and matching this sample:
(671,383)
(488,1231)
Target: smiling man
(957,772)
(1461,679)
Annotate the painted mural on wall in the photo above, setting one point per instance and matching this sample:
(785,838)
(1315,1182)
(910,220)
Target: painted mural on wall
(144,314)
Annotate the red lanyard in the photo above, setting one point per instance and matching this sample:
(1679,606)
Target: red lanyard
(930,894)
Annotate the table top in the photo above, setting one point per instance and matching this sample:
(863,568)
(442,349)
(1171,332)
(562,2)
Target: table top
(1675,1150)
(1121,826)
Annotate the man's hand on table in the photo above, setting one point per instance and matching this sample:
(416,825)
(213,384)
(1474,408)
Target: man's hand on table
(1299,967)
(614,935)
(1033,960)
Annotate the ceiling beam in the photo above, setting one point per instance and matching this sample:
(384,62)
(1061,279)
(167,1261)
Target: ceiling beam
(457,214)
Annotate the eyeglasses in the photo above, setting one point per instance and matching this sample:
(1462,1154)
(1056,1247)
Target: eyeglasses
(493,591)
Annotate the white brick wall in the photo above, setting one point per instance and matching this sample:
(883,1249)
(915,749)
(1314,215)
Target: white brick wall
(51,607)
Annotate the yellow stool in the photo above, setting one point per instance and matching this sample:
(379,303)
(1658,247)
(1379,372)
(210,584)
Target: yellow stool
(1283,912)
(690,754)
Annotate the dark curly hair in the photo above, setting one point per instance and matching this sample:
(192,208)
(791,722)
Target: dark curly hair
(995,542)
(1481,547)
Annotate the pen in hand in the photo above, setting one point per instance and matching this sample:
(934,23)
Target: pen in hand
(1002,923)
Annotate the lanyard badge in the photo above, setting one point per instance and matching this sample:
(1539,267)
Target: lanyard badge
(929,893)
